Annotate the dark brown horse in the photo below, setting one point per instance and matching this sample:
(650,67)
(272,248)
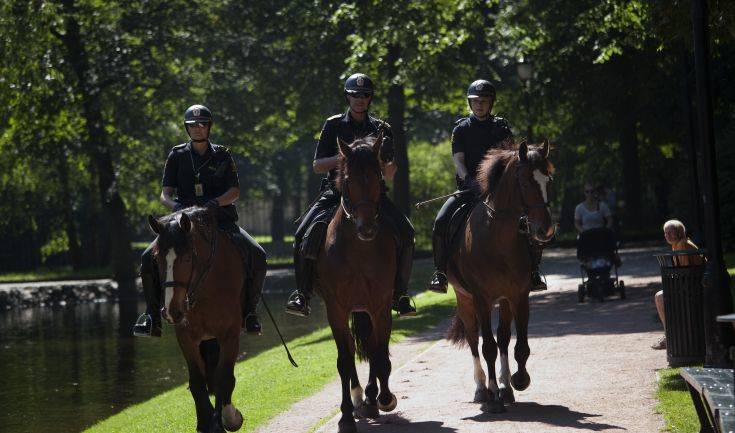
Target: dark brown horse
(491,263)
(204,289)
(356,272)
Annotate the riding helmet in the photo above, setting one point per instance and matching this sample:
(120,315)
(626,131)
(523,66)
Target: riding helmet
(481,88)
(359,83)
(197,113)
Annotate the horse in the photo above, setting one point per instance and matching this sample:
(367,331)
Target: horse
(204,291)
(356,271)
(491,263)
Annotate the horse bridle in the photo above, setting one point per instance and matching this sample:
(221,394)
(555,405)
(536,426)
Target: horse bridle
(191,290)
(349,208)
(523,222)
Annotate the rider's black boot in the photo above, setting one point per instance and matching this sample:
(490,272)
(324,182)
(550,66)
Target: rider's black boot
(537,283)
(149,323)
(298,302)
(401,301)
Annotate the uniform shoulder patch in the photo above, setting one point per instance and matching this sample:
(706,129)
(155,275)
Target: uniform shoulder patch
(335,117)
(220,148)
(180,146)
(501,121)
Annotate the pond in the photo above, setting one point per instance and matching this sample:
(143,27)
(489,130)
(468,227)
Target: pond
(64,368)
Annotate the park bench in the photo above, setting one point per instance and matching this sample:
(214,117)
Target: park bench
(712,393)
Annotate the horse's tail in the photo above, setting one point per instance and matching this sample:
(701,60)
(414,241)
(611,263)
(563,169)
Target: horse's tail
(456,333)
(362,327)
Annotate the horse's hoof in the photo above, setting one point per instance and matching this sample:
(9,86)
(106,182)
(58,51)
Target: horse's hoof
(231,418)
(506,394)
(366,410)
(390,406)
(520,380)
(494,406)
(347,426)
(480,396)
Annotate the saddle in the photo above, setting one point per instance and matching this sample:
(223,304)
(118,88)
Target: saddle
(457,220)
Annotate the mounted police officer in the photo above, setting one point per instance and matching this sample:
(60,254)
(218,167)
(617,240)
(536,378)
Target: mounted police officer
(204,174)
(310,235)
(472,137)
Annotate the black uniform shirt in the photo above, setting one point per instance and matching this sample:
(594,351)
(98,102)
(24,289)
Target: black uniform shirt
(344,127)
(217,173)
(475,137)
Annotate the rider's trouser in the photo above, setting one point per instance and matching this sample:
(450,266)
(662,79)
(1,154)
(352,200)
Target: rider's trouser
(322,212)
(254,264)
(441,226)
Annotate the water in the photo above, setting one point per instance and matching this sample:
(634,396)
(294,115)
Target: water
(62,369)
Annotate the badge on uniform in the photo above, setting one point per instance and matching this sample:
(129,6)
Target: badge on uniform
(198,189)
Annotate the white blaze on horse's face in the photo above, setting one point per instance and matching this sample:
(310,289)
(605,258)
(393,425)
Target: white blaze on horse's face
(170,259)
(542,181)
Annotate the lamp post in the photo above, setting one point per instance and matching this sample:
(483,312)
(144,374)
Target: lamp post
(525,73)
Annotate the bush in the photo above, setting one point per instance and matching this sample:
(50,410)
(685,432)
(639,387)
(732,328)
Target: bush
(432,175)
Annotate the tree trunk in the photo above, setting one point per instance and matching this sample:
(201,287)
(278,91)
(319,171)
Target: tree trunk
(396,118)
(75,255)
(277,213)
(98,148)
(631,172)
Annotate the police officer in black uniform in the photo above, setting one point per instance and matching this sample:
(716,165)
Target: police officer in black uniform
(309,237)
(204,174)
(472,137)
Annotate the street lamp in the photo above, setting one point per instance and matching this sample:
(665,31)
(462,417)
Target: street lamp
(525,73)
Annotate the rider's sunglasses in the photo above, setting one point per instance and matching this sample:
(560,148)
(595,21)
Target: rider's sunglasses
(360,95)
(198,124)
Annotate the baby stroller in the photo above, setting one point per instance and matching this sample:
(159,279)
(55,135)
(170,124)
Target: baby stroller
(597,254)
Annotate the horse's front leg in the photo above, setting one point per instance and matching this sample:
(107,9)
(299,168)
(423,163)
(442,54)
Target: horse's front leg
(387,401)
(520,379)
(225,414)
(505,317)
(490,353)
(345,365)
(197,380)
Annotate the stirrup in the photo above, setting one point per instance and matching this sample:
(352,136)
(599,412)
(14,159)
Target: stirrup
(144,327)
(439,282)
(298,304)
(408,310)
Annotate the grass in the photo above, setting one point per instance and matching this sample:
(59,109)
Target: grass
(675,404)
(267,384)
(56,273)
(730,263)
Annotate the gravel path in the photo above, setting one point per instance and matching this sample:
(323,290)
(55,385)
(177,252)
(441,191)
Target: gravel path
(591,368)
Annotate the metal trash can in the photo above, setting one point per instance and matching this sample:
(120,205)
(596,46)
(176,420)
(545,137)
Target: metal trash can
(683,308)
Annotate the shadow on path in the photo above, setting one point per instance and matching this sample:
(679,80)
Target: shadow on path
(396,423)
(555,415)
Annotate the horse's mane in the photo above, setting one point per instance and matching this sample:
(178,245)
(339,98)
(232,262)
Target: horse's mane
(202,220)
(362,156)
(498,160)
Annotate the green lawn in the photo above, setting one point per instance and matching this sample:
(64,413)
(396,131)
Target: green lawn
(266,383)
(730,263)
(57,273)
(675,404)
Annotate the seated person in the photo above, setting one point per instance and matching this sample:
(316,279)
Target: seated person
(676,236)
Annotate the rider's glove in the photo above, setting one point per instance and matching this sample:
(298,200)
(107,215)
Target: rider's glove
(212,204)
(178,206)
(471,185)
(387,151)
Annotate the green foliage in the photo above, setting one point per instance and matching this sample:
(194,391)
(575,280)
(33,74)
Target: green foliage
(432,177)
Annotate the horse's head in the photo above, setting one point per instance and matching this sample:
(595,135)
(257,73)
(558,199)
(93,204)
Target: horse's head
(175,254)
(359,183)
(534,174)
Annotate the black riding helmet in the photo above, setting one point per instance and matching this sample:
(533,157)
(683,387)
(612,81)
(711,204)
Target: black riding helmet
(480,88)
(356,83)
(197,113)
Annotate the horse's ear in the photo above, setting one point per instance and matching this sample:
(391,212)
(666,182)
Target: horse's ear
(378,143)
(344,148)
(184,222)
(545,148)
(523,151)
(154,224)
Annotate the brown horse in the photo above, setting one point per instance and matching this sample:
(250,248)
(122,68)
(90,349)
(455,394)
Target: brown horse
(204,288)
(356,272)
(491,263)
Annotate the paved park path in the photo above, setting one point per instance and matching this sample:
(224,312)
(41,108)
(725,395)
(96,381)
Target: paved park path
(591,368)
